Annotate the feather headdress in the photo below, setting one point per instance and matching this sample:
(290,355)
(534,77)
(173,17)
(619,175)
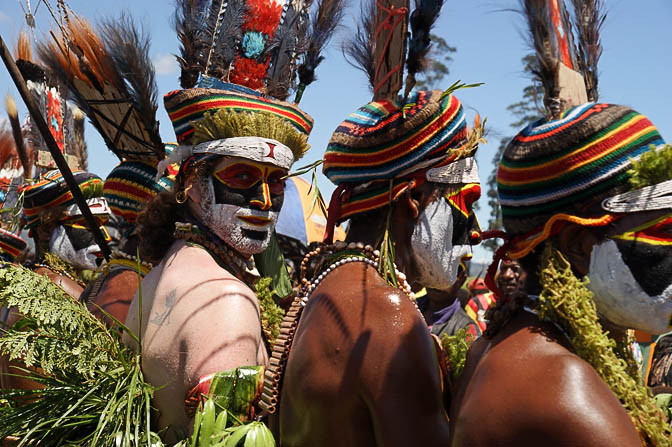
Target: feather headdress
(379,45)
(111,78)
(259,44)
(589,18)
(49,96)
(567,71)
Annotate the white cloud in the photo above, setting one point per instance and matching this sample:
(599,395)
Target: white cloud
(4,17)
(164,64)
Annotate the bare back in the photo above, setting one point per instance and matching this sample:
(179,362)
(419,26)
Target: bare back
(197,319)
(362,370)
(525,388)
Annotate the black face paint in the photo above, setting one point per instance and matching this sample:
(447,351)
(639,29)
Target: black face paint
(242,197)
(79,237)
(651,265)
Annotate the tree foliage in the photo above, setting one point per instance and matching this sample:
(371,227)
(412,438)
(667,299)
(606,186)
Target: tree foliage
(526,110)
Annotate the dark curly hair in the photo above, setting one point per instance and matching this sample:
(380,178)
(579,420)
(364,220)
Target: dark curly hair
(156,223)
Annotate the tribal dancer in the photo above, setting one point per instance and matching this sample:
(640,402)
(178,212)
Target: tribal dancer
(238,138)
(65,249)
(579,200)
(355,363)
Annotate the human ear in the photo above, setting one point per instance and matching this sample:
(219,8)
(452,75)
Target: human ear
(576,243)
(413,205)
(193,193)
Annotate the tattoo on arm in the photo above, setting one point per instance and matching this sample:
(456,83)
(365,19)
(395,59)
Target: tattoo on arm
(164,317)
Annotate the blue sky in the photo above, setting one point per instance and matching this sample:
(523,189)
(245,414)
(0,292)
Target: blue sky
(635,68)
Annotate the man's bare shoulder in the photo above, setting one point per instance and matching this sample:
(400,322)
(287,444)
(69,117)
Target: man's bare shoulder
(534,386)
(191,269)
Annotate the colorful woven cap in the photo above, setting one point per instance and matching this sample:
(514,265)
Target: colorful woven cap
(559,166)
(11,245)
(51,192)
(130,186)
(383,138)
(187,106)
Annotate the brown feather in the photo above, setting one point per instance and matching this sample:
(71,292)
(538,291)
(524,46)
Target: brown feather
(24,50)
(359,51)
(589,16)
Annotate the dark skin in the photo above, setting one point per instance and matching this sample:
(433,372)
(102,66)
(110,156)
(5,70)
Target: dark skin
(116,292)
(439,299)
(559,399)
(511,277)
(363,369)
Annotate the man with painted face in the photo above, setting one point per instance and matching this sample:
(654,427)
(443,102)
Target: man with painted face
(65,249)
(554,365)
(362,367)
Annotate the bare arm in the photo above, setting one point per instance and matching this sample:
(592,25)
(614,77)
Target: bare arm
(406,400)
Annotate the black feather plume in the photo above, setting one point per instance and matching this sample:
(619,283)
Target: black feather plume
(323,24)
(128,48)
(190,27)
(228,40)
(422,21)
(589,16)
(540,27)
(360,50)
(285,49)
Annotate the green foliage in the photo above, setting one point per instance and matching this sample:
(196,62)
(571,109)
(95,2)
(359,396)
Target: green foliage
(654,166)
(455,348)
(271,313)
(440,55)
(567,301)
(216,427)
(93,394)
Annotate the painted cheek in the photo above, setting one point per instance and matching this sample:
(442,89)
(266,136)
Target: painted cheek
(229,196)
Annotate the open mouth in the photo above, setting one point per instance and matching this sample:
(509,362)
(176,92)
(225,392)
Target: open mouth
(255,235)
(256,221)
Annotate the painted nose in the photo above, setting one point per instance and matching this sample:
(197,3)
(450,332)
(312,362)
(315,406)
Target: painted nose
(264,204)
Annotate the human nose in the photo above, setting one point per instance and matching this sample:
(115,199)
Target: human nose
(265,202)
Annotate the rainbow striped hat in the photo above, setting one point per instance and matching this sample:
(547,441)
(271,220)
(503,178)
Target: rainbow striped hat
(184,107)
(11,245)
(559,166)
(187,106)
(130,186)
(52,193)
(385,144)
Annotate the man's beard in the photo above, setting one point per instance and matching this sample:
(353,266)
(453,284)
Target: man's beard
(246,230)
(619,296)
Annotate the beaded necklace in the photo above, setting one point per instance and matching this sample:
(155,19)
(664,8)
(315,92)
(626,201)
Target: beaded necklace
(226,257)
(336,255)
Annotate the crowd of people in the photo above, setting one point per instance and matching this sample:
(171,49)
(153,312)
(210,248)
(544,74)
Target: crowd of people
(378,336)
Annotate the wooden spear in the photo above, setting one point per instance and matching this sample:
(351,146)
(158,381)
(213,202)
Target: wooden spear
(53,148)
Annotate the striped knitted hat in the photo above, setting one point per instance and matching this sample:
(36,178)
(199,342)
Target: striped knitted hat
(11,245)
(385,142)
(186,106)
(559,166)
(130,186)
(51,192)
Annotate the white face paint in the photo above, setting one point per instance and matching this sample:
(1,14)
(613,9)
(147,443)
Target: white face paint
(228,222)
(619,297)
(84,258)
(432,242)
